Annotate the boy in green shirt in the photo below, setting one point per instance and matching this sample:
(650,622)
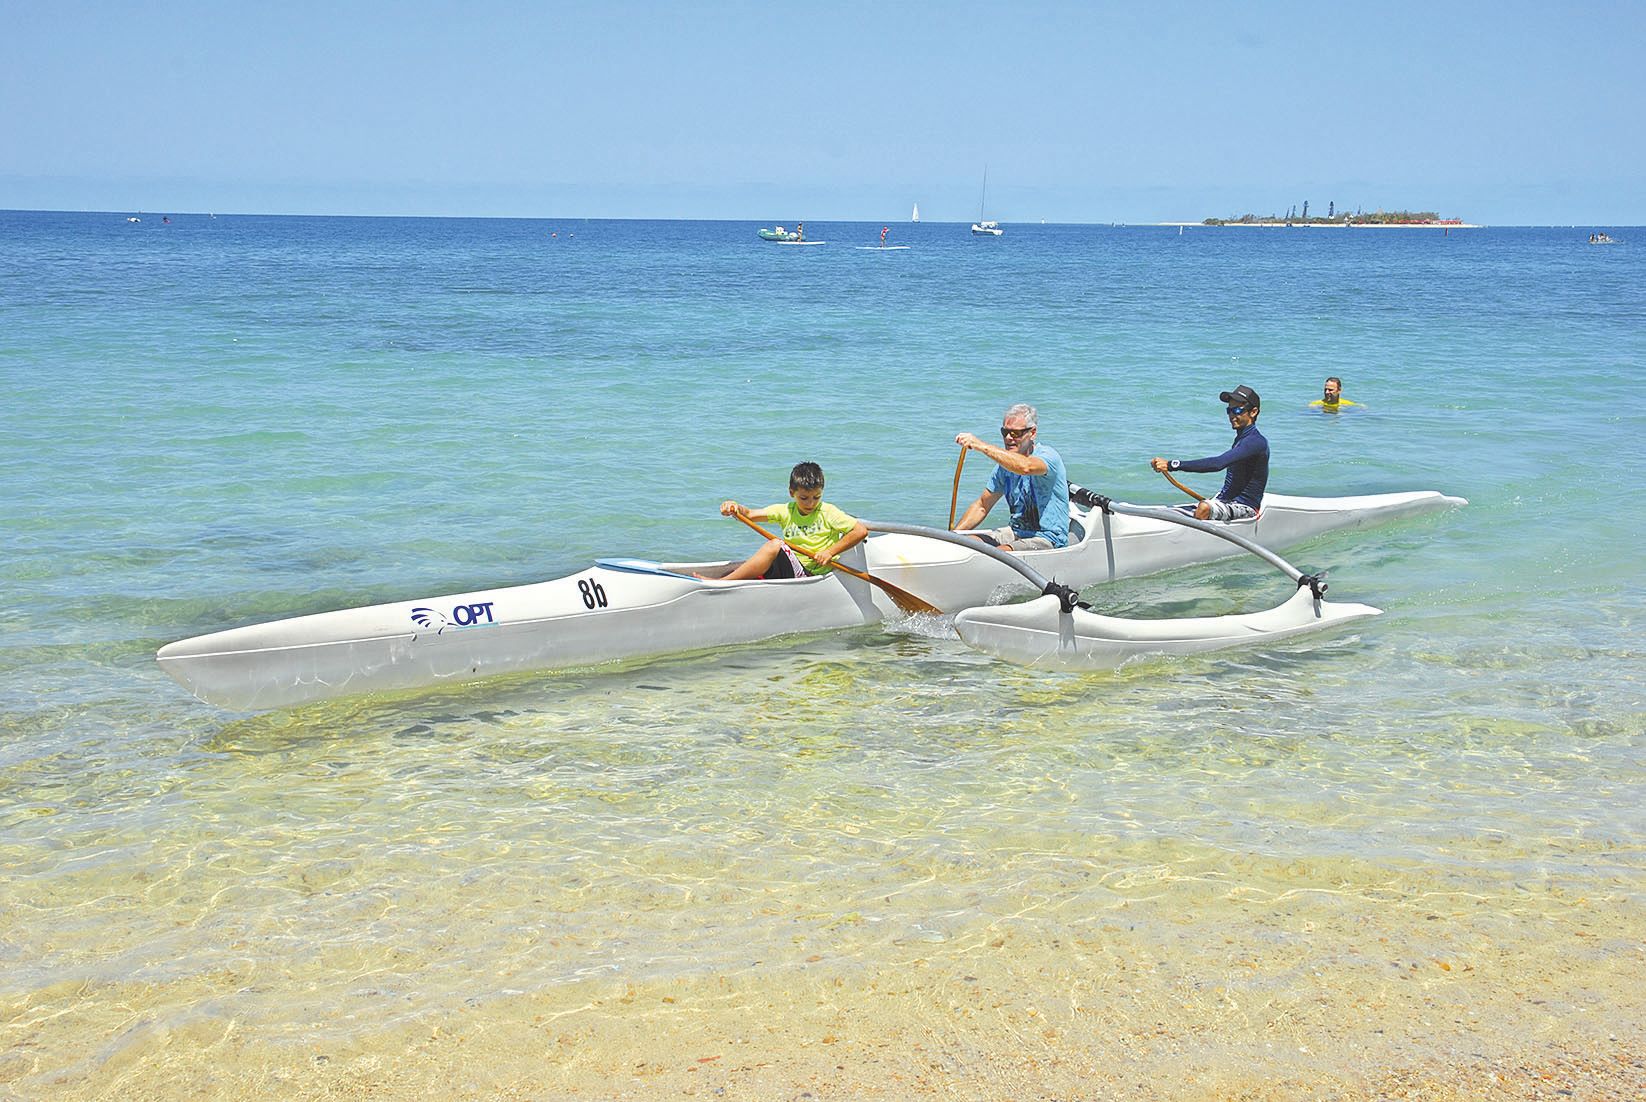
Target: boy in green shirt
(808,523)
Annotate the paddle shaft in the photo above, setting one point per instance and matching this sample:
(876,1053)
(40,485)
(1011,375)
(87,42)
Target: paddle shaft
(970,543)
(903,599)
(1185,489)
(954,498)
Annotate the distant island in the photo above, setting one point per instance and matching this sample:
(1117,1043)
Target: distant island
(1334,218)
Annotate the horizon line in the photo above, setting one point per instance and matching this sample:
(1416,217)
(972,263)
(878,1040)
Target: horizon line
(632,218)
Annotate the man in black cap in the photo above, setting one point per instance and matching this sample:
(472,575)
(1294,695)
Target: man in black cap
(1247,462)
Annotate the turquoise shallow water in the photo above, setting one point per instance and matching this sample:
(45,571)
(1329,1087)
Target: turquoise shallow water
(224,420)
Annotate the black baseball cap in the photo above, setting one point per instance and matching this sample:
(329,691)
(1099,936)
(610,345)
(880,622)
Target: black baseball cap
(1242,396)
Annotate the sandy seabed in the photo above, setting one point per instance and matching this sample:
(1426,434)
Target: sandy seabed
(972,1048)
(1307,1004)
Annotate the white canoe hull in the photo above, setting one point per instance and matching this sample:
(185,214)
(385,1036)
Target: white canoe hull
(1038,633)
(609,612)
(598,615)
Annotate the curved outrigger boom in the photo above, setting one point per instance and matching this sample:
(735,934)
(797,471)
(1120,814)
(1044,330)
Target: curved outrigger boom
(1059,631)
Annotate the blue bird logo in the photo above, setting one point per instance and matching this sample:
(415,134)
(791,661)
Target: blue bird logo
(425,617)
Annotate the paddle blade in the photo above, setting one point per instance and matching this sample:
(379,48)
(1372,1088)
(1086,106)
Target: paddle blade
(906,602)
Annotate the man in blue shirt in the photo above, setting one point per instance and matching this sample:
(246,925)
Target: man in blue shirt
(1247,462)
(1030,477)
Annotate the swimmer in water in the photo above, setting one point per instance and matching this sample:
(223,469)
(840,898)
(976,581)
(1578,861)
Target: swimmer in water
(1331,399)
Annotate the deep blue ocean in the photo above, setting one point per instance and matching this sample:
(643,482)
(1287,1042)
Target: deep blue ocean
(221,420)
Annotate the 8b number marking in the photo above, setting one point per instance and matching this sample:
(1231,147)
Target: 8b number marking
(594,594)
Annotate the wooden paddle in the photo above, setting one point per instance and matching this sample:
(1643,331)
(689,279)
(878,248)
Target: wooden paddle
(954,499)
(903,599)
(1185,489)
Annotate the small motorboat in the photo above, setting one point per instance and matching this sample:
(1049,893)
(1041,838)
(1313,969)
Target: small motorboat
(780,236)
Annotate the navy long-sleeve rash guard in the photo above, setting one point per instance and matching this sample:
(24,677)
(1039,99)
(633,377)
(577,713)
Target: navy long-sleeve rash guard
(1248,465)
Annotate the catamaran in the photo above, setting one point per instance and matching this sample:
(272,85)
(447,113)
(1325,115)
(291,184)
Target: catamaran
(625,608)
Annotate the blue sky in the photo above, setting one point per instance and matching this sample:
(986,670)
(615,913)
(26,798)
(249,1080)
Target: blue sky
(1509,113)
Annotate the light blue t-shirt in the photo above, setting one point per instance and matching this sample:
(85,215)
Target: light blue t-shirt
(1039,502)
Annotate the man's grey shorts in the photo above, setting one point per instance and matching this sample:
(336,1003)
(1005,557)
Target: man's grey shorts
(1230,510)
(1018,543)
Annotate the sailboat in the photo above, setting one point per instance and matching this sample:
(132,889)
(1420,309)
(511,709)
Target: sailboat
(981,226)
(915,217)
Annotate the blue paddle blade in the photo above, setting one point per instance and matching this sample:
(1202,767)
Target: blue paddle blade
(642,566)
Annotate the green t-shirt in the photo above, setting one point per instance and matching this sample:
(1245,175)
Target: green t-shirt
(816,532)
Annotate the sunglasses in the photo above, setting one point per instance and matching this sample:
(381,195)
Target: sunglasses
(1015,434)
(1234,411)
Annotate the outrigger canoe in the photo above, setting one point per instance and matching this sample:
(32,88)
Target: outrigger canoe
(637,609)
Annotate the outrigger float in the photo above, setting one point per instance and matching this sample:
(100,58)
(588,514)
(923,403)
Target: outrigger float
(639,609)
